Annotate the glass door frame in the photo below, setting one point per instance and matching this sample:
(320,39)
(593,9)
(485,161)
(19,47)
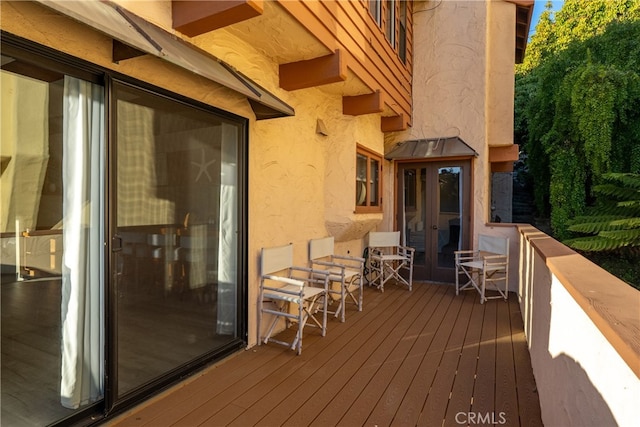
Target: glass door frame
(430,269)
(114,403)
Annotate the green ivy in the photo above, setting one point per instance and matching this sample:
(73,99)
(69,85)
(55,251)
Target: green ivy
(577,106)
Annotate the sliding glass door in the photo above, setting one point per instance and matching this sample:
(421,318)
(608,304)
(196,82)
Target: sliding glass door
(52,229)
(176,234)
(121,236)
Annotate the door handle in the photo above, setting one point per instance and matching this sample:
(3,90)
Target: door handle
(116,243)
(434,227)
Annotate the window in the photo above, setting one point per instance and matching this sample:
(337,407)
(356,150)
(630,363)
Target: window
(402,42)
(368,181)
(391,22)
(375,10)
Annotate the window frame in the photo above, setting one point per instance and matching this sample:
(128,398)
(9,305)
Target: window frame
(370,155)
(402,30)
(391,23)
(375,9)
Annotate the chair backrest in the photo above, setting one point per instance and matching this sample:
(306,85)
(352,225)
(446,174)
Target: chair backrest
(384,239)
(493,244)
(276,259)
(320,248)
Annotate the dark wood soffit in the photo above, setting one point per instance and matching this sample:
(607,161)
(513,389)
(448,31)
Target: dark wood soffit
(393,123)
(524,13)
(313,72)
(362,104)
(198,17)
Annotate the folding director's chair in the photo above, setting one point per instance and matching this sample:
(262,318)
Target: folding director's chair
(388,259)
(484,268)
(298,296)
(346,271)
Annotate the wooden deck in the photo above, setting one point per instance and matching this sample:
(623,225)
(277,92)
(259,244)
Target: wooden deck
(426,357)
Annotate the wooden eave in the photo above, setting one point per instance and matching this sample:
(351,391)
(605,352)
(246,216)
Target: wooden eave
(193,18)
(393,123)
(359,48)
(502,158)
(524,12)
(506,153)
(362,104)
(313,72)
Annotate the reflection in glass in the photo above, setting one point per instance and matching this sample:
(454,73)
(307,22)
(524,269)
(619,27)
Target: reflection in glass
(361,180)
(449,214)
(415,212)
(51,239)
(177,217)
(374,182)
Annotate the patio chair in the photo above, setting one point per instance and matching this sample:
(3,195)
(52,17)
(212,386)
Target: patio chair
(486,268)
(298,296)
(388,259)
(345,271)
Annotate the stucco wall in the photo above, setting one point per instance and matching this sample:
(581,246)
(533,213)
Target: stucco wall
(463,86)
(581,377)
(500,72)
(450,83)
(301,184)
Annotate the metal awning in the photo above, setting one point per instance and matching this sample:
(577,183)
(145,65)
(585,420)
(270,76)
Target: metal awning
(139,34)
(430,148)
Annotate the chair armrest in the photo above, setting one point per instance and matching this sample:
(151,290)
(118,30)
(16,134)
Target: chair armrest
(281,279)
(463,252)
(350,258)
(495,259)
(315,275)
(328,264)
(406,249)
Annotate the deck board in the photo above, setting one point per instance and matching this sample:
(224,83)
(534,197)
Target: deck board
(409,358)
(463,382)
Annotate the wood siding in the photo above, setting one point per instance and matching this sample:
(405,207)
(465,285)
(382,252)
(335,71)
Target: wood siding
(348,26)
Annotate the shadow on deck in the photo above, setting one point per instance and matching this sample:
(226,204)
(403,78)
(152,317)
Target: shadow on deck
(426,357)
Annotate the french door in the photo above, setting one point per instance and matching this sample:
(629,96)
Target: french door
(433,205)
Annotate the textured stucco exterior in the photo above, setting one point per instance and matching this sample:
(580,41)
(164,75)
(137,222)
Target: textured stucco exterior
(581,326)
(463,86)
(300,183)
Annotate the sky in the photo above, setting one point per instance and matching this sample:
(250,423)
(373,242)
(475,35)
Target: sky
(538,8)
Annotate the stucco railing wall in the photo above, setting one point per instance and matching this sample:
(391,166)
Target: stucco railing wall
(583,330)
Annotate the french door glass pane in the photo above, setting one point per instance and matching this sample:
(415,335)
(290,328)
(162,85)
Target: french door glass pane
(449,214)
(415,211)
(177,219)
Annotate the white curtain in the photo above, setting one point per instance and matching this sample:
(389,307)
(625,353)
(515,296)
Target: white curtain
(82,269)
(228,244)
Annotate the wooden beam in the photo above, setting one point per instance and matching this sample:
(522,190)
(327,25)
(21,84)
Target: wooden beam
(313,72)
(193,17)
(362,104)
(502,167)
(505,153)
(393,123)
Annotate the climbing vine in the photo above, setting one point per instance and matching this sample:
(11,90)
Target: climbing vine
(578,104)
